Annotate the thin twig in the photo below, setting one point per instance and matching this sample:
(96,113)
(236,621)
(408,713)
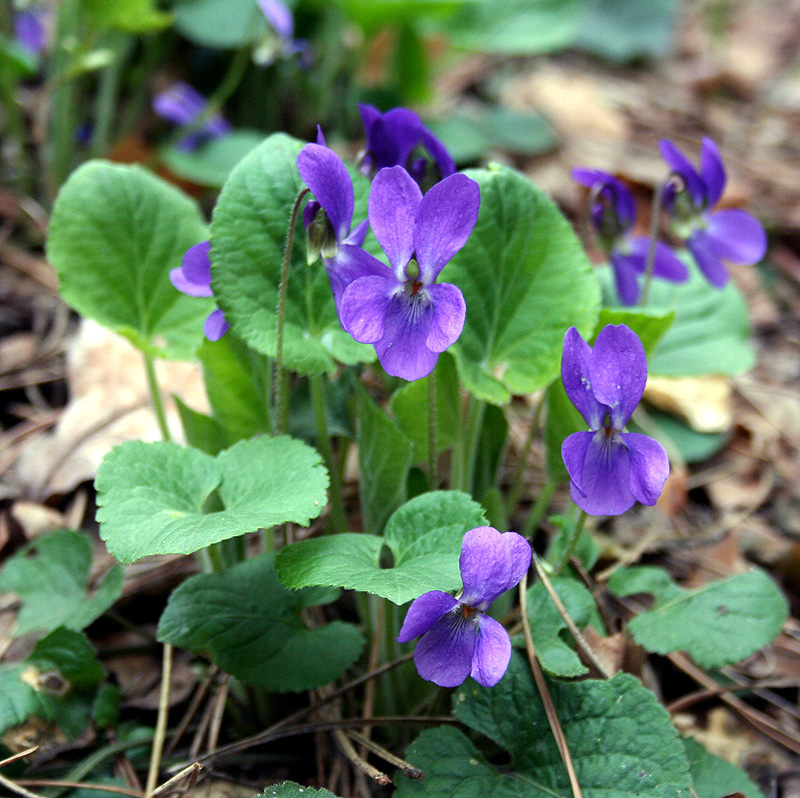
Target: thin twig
(346,747)
(16,789)
(161,722)
(191,710)
(583,644)
(547,700)
(409,771)
(20,755)
(190,772)
(75,786)
(217,714)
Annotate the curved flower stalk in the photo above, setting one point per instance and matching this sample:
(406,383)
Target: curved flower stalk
(328,218)
(712,238)
(193,277)
(458,638)
(401,310)
(398,138)
(609,469)
(613,218)
(182,105)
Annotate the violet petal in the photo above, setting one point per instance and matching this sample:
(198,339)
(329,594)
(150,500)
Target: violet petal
(326,175)
(575,376)
(365,304)
(449,313)
(736,236)
(649,467)
(444,221)
(604,477)
(215,325)
(423,614)
(193,277)
(359,234)
(712,171)
(279,16)
(438,152)
(350,264)
(573,453)
(491,563)
(393,202)
(492,652)
(402,351)
(702,249)
(618,372)
(444,653)
(666,264)
(179,104)
(679,163)
(626,267)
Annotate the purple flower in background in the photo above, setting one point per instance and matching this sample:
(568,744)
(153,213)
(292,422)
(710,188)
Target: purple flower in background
(328,218)
(401,310)
(29,29)
(613,217)
(398,138)
(609,469)
(458,638)
(281,20)
(182,105)
(193,277)
(732,235)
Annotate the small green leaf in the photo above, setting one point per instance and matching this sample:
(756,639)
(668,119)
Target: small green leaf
(251,626)
(105,710)
(554,646)
(650,324)
(213,161)
(424,537)
(71,654)
(525,279)
(222,24)
(384,457)
(131,16)
(115,234)
(621,740)
(717,624)
(409,406)
(713,777)
(248,234)
(289,789)
(202,432)
(152,496)
(51,578)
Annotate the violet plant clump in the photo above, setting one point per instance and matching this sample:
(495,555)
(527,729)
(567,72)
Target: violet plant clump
(458,639)
(401,310)
(609,469)
(711,236)
(613,216)
(193,278)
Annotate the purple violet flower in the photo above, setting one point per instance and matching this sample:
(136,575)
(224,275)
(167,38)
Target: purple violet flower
(398,138)
(29,29)
(182,105)
(731,234)
(280,18)
(609,469)
(328,219)
(458,638)
(401,310)
(193,277)
(613,217)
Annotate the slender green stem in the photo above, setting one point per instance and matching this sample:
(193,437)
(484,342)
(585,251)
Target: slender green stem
(517,485)
(155,396)
(281,397)
(161,722)
(324,445)
(539,509)
(105,108)
(573,542)
(477,407)
(655,224)
(433,458)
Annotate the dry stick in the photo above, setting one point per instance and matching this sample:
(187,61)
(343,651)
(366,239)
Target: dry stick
(758,719)
(190,771)
(20,755)
(269,734)
(218,711)
(75,786)
(684,702)
(582,642)
(547,701)
(201,730)
(409,771)
(161,722)
(374,655)
(16,789)
(191,710)
(346,747)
